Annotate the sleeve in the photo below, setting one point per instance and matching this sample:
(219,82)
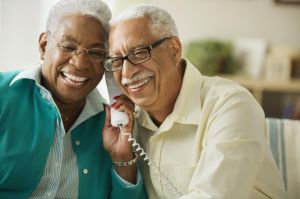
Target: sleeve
(126,190)
(129,184)
(233,149)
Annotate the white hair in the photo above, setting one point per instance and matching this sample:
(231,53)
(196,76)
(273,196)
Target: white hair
(160,21)
(92,8)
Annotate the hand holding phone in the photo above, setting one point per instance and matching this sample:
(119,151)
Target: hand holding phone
(118,118)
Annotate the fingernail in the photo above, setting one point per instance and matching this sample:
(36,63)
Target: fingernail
(117,106)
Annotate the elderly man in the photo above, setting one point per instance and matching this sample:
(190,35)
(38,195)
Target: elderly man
(52,117)
(205,135)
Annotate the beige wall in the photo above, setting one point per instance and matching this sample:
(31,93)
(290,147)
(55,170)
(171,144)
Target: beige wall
(277,24)
(19,33)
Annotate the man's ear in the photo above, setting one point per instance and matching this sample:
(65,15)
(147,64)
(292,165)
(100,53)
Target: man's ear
(42,44)
(175,48)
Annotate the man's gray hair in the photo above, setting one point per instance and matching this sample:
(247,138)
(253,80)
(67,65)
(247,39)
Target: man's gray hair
(160,21)
(92,8)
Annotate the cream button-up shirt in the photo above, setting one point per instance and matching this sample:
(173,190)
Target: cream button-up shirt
(212,145)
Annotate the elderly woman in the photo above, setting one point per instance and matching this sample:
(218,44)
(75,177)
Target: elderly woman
(52,117)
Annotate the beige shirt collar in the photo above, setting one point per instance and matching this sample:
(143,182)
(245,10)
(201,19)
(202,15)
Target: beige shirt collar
(187,107)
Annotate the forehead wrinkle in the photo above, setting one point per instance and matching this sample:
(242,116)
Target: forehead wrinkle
(68,38)
(136,44)
(129,47)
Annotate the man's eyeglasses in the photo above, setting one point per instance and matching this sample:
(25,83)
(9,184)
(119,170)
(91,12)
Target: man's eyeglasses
(135,57)
(96,55)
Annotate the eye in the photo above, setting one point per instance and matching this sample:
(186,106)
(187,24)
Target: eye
(113,64)
(116,62)
(140,54)
(97,53)
(67,47)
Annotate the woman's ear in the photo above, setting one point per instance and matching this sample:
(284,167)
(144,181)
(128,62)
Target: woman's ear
(42,44)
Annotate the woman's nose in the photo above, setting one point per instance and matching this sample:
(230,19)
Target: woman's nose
(80,59)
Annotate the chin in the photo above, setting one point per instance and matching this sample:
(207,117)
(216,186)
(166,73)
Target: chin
(143,103)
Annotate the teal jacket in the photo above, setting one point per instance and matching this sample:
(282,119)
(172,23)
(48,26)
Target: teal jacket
(27,127)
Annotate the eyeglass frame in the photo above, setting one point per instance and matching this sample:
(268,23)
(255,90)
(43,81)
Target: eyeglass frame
(126,57)
(78,50)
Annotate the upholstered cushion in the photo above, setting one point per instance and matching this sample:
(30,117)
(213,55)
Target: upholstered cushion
(284,140)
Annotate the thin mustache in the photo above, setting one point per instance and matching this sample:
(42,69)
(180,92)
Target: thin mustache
(136,77)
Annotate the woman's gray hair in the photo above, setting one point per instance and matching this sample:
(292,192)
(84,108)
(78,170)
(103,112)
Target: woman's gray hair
(160,21)
(92,8)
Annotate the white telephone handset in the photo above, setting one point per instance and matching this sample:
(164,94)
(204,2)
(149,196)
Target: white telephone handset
(118,118)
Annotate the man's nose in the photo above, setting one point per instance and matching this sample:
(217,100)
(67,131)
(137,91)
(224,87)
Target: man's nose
(129,69)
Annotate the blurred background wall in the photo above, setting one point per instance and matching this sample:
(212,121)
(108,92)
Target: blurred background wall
(22,21)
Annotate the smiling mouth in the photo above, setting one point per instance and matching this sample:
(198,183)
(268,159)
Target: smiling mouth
(139,83)
(73,79)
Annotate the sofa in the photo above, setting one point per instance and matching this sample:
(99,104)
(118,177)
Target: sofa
(284,140)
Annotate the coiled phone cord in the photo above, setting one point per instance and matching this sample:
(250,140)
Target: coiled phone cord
(165,181)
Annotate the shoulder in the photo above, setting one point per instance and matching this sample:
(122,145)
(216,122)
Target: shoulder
(219,94)
(7,77)
(14,89)
(215,92)
(217,87)
(211,87)
(15,79)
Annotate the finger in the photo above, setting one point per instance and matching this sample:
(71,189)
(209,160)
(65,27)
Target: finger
(128,110)
(123,99)
(116,105)
(116,97)
(107,116)
(124,104)
(128,128)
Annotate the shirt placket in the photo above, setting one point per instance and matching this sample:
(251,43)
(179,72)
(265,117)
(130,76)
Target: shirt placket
(53,167)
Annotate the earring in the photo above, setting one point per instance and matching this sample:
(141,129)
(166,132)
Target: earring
(41,62)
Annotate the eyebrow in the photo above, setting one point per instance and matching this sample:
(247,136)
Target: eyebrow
(138,44)
(71,39)
(135,45)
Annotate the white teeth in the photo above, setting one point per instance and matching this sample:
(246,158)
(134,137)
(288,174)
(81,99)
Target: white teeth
(133,86)
(140,77)
(74,78)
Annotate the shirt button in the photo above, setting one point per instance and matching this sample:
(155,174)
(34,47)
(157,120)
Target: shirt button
(85,171)
(77,142)
(56,164)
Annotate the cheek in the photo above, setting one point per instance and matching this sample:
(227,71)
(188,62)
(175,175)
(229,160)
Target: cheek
(118,77)
(51,68)
(164,79)
(52,60)
(98,72)
(51,53)
(98,78)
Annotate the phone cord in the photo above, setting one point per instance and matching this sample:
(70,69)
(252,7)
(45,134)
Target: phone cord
(165,181)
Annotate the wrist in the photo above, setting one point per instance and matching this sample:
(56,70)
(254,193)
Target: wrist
(123,156)
(126,163)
